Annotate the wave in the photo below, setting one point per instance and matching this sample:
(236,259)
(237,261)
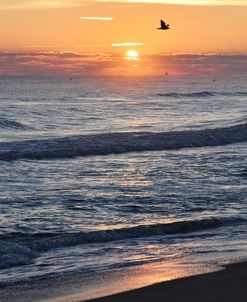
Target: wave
(15,254)
(116,143)
(201,94)
(6,123)
(70,239)
(20,248)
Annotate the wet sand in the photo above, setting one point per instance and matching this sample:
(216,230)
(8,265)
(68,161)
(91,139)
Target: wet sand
(228,285)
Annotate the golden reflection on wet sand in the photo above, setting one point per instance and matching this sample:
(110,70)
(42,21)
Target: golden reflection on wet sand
(127,279)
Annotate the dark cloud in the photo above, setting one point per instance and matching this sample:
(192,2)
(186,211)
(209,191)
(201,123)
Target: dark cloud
(201,64)
(51,63)
(74,63)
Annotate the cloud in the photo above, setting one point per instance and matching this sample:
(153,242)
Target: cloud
(200,64)
(126,44)
(97,18)
(55,63)
(70,63)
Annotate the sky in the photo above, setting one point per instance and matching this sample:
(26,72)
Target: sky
(79,37)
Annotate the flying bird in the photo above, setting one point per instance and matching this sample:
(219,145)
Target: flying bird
(163,25)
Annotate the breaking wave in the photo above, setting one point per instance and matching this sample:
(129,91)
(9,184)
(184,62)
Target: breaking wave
(116,143)
(14,254)
(6,123)
(20,248)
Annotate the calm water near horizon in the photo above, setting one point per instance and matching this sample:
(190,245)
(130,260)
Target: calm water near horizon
(63,213)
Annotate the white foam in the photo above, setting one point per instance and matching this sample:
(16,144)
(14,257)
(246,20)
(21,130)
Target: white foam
(110,143)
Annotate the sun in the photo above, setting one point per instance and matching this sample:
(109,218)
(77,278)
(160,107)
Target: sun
(132,55)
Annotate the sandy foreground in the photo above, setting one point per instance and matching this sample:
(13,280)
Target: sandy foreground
(229,285)
(226,285)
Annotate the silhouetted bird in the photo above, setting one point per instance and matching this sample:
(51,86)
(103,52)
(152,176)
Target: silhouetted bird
(163,25)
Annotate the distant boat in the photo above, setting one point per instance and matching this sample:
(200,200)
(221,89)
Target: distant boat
(163,25)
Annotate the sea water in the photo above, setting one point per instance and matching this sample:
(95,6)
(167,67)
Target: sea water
(102,174)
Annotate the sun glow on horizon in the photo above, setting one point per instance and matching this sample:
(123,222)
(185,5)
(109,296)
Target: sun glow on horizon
(108,38)
(132,55)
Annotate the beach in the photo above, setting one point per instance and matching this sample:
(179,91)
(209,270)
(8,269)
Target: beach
(227,285)
(123,151)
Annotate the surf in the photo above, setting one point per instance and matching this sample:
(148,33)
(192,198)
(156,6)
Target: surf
(118,143)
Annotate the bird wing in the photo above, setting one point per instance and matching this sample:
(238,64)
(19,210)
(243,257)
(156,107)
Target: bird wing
(162,23)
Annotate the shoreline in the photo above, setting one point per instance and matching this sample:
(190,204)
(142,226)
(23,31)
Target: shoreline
(227,285)
(144,283)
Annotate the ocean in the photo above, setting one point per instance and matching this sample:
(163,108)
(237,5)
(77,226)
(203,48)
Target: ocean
(100,175)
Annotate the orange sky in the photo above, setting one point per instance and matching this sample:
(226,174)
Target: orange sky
(89,29)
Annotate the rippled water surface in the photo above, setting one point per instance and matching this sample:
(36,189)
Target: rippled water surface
(105,173)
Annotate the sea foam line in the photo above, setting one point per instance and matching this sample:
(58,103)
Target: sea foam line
(46,241)
(20,248)
(116,143)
